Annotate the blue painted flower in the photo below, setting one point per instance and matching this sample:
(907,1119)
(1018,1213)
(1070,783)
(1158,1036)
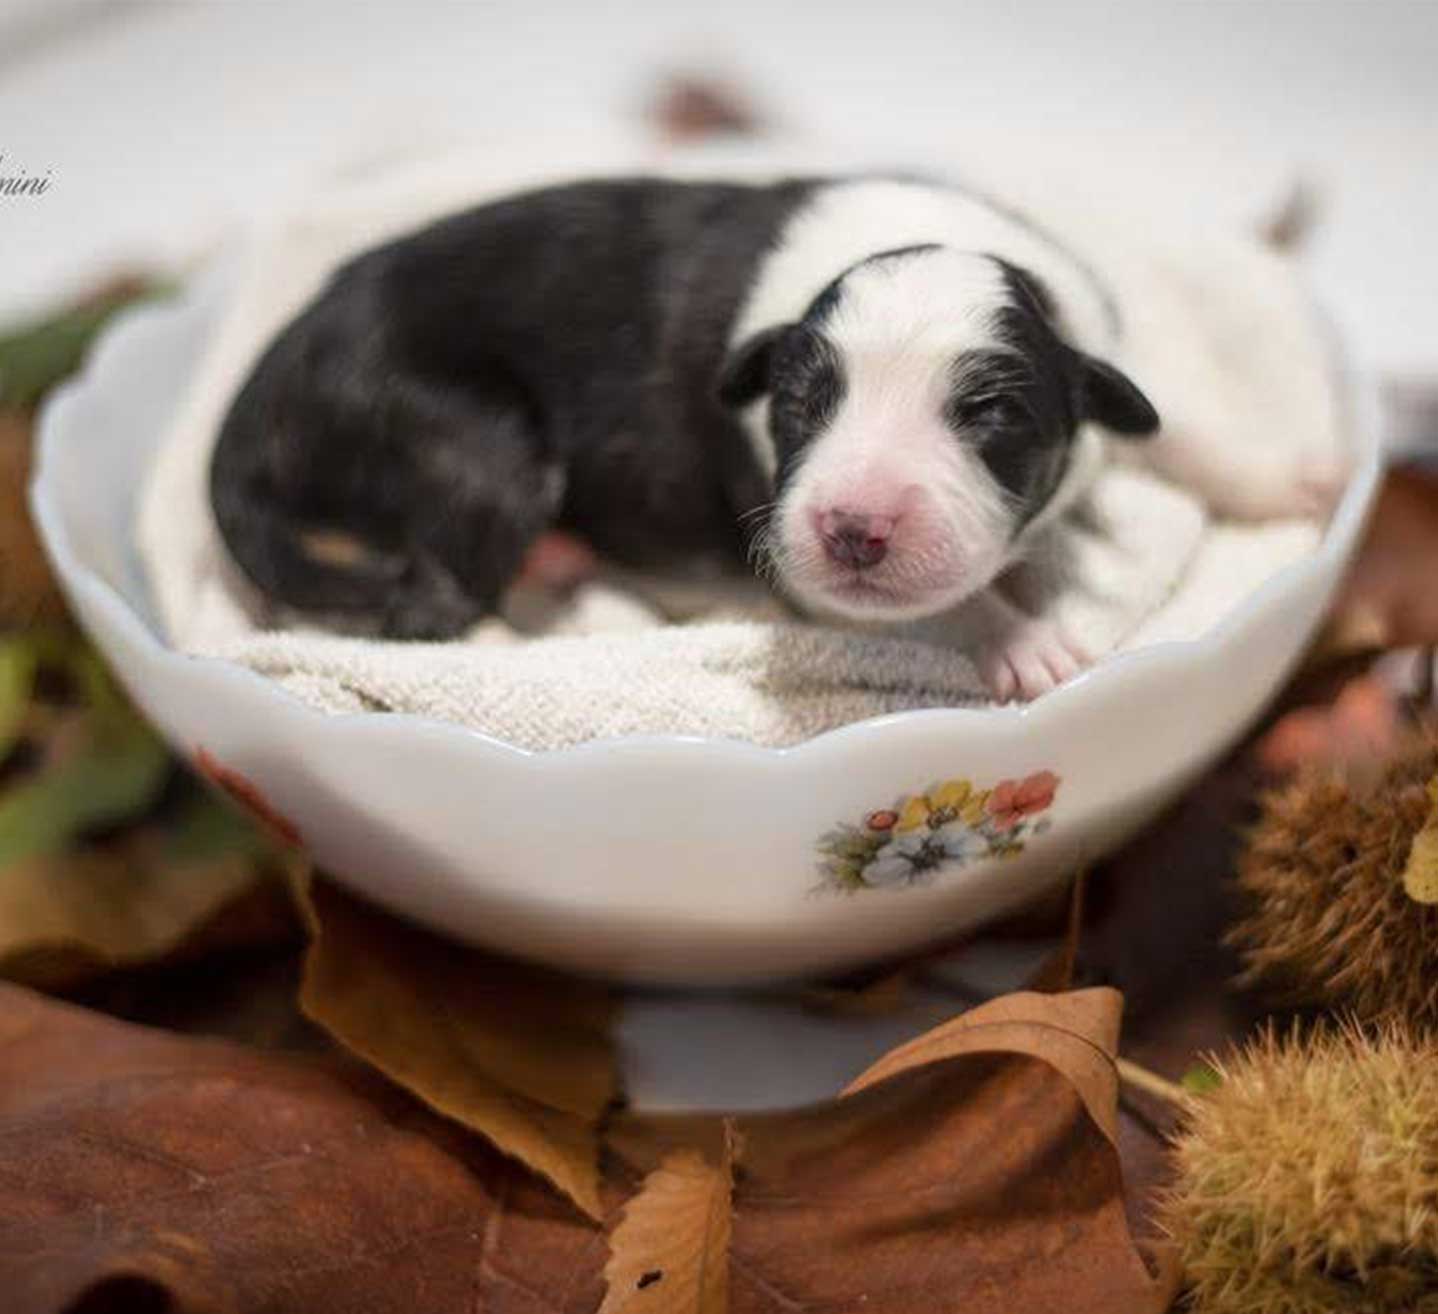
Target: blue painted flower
(911,856)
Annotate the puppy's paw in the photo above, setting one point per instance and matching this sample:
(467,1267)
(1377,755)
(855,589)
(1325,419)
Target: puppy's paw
(423,620)
(1031,659)
(557,562)
(427,605)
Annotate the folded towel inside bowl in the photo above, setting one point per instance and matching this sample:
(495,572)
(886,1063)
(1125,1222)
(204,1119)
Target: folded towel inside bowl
(608,663)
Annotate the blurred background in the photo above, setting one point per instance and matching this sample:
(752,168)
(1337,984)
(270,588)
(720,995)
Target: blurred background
(161,126)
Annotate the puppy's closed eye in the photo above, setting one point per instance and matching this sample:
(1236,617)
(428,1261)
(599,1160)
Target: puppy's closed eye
(812,381)
(822,397)
(998,411)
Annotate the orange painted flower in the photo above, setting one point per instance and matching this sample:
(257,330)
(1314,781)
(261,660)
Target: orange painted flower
(1013,800)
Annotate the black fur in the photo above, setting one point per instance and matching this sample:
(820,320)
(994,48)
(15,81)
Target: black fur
(808,386)
(1022,406)
(549,359)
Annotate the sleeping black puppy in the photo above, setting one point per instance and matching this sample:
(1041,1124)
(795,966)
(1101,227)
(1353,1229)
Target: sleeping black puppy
(879,387)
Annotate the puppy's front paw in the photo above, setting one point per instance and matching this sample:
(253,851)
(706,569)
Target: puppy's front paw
(1029,660)
(427,605)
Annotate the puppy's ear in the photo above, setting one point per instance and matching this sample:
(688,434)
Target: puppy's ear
(747,373)
(1113,399)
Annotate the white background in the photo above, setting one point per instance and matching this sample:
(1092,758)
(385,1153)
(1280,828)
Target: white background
(163,125)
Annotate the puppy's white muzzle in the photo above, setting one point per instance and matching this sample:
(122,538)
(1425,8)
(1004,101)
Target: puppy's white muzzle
(880,552)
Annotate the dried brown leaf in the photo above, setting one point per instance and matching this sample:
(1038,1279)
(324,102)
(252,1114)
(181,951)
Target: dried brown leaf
(28,591)
(141,1170)
(671,1250)
(960,1174)
(63,918)
(136,897)
(521,1055)
(973,1169)
(1076,1033)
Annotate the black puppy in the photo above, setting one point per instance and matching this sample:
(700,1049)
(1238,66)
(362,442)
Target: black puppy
(897,373)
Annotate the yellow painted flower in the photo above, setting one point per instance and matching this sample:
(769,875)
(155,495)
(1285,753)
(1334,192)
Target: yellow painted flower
(950,801)
(913,814)
(951,795)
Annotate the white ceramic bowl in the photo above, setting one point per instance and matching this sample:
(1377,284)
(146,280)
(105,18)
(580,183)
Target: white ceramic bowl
(676,860)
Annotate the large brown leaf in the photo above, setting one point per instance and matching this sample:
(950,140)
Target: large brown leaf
(140,1170)
(522,1055)
(963,1173)
(974,1170)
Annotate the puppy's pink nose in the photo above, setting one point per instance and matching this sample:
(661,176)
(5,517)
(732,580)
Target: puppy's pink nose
(855,540)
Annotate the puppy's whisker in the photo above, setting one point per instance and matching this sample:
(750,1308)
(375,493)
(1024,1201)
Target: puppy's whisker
(760,554)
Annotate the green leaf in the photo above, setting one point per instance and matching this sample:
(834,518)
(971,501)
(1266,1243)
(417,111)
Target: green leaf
(116,775)
(102,765)
(17,680)
(206,828)
(38,355)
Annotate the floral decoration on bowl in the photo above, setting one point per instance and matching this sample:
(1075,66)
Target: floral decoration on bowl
(951,823)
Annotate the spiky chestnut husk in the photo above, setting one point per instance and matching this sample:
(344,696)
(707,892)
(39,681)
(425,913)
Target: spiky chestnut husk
(1325,917)
(1307,1181)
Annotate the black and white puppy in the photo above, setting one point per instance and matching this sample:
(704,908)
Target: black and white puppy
(884,388)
